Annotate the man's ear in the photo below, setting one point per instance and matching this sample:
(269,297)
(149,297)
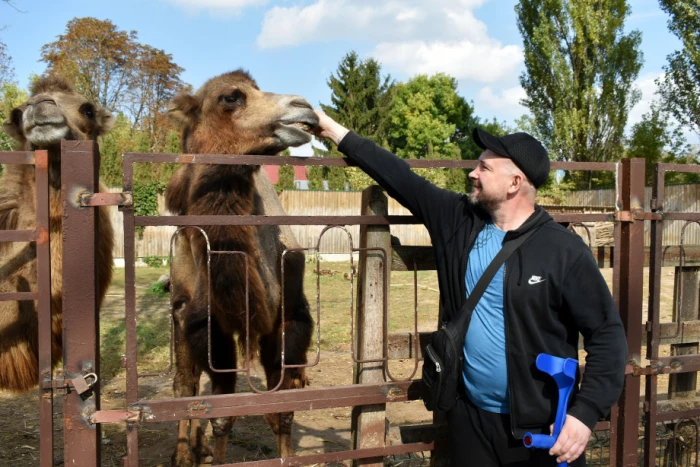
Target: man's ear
(184,110)
(516,182)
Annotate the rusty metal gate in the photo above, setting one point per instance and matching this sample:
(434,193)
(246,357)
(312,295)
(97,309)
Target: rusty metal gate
(82,413)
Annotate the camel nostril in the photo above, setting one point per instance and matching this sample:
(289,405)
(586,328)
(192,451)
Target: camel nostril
(47,100)
(301,103)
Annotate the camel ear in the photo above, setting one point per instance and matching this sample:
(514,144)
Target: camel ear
(13,125)
(105,121)
(183,109)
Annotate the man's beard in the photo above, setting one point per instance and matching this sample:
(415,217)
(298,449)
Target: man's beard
(488,203)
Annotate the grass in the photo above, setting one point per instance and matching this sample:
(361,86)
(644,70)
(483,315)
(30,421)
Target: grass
(336,299)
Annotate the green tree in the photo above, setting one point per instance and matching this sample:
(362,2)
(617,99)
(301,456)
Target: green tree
(680,88)
(97,57)
(580,70)
(361,100)
(285,179)
(429,120)
(11,96)
(8,93)
(110,67)
(655,139)
(7,72)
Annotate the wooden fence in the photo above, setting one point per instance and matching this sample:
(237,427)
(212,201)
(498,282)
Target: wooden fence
(678,198)
(156,240)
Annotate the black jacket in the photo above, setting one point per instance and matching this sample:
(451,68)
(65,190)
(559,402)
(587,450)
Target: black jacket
(553,290)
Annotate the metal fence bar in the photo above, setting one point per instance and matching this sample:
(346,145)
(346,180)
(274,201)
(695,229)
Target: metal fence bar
(193,221)
(651,417)
(17,157)
(17,235)
(132,392)
(630,303)
(81,351)
(18,296)
(43,266)
(227,159)
(290,400)
(324,459)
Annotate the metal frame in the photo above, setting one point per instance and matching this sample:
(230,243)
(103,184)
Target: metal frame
(40,235)
(628,263)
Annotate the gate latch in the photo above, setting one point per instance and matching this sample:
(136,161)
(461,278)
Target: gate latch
(83,384)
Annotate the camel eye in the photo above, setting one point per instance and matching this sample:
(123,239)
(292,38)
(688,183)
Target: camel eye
(88,110)
(235,99)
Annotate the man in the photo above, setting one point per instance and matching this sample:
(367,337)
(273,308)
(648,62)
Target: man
(543,296)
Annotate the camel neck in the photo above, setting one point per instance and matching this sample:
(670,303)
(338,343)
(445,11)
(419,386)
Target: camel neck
(224,190)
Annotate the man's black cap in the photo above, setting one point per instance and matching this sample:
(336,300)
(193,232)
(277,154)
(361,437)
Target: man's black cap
(527,153)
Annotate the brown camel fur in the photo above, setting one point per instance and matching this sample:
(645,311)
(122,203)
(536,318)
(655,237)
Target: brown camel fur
(53,112)
(230,115)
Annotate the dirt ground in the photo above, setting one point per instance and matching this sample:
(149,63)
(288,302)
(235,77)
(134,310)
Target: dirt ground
(316,431)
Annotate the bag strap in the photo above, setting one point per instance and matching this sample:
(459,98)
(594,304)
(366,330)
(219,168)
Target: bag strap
(485,279)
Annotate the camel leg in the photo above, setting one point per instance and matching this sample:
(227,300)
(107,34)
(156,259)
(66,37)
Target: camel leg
(223,354)
(199,442)
(298,336)
(185,384)
(223,357)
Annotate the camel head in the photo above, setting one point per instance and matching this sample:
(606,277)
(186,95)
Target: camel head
(229,114)
(55,112)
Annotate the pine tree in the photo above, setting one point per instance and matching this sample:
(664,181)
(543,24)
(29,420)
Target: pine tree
(360,100)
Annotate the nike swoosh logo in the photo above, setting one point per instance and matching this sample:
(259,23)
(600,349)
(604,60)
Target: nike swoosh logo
(535,280)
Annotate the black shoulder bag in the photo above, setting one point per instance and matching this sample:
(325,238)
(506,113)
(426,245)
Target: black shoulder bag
(442,357)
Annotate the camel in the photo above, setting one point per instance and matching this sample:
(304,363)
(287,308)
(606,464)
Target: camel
(53,112)
(229,114)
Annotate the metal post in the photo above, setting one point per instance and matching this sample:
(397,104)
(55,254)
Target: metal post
(653,317)
(43,263)
(631,275)
(132,378)
(81,351)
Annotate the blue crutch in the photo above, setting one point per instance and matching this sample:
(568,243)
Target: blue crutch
(564,373)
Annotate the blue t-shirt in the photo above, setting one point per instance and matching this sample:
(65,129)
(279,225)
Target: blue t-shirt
(484,371)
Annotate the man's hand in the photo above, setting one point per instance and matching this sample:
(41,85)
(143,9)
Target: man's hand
(572,440)
(329,128)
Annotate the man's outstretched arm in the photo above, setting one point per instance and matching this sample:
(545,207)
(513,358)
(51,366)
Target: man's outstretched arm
(434,206)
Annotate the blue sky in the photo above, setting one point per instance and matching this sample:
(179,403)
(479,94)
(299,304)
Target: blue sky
(292,46)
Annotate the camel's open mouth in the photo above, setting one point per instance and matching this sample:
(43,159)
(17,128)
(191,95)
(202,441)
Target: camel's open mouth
(307,127)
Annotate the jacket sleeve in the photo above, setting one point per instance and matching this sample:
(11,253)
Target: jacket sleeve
(433,206)
(588,298)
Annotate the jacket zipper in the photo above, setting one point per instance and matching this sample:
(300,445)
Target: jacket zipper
(432,357)
(505,331)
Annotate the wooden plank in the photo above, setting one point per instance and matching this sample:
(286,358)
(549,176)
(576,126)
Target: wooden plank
(369,421)
(685,307)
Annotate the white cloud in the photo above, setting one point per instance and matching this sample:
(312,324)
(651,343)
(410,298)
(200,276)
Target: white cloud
(411,36)
(647,85)
(505,102)
(218,6)
(463,59)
